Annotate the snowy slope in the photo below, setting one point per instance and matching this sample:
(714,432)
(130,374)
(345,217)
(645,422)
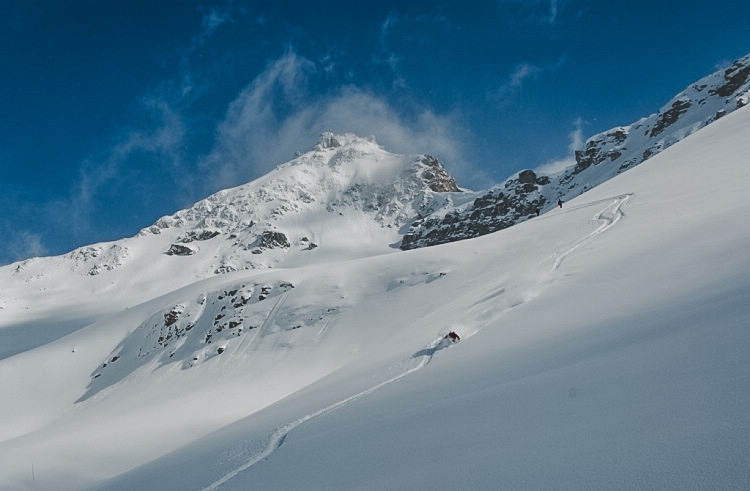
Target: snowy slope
(603,346)
(346,198)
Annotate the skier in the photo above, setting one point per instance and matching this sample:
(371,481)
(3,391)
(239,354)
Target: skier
(560,202)
(453,336)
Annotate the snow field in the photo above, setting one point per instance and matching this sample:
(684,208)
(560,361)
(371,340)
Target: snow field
(603,346)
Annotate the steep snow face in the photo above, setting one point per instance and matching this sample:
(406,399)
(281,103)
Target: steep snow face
(372,193)
(346,198)
(604,156)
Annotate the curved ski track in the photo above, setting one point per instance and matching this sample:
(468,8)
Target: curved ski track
(423,356)
(608,217)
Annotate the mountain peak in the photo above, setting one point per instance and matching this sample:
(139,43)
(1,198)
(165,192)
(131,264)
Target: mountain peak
(346,194)
(329,139)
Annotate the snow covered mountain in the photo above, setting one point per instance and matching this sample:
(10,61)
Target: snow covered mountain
(323,203)
(604,156)
(274,335)
(344,199)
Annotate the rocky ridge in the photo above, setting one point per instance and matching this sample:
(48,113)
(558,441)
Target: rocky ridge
(604,156)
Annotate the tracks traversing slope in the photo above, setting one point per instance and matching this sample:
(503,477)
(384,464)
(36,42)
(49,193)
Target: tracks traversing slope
(608,217)
(422,358)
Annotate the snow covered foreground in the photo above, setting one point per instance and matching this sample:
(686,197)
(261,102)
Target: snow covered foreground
(604,346)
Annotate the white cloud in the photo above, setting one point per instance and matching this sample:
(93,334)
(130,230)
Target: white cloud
(24,244)
(522,72)
(519,77)
(213,19)
(276,115)
(576,143)
(552,11)
(510,89)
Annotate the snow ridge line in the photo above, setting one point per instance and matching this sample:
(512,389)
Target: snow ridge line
(277,438)
(608,216)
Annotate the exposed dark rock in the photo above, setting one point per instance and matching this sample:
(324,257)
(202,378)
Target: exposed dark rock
(179,250)
(171,317)
(437,177)
(606,146)
(199,235)
(670,116)
(735,76)
(527,177)
(488,213)
(271,239)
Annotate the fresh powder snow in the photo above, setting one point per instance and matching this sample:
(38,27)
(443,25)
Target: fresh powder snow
(603,344)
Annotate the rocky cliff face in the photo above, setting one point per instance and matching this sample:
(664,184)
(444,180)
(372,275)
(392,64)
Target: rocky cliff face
(500,207)
(604,156)
(695,107)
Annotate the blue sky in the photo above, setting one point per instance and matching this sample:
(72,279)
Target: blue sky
(117,112)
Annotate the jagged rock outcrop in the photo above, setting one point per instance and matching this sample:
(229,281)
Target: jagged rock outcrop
(179,250)
(271,239)
(199,235)
(607,147)
(604,156)
(695,107)
(436,177)
(735,77)
(499,208)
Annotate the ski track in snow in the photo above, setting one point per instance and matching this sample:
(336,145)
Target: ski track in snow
(247,340)
(423,357)
(608,217)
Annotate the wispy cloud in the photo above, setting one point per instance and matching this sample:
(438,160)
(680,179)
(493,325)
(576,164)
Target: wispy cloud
(399,31)
(105,180)
(540,12)
(160,140)
(21,245)
(552,17)
(576,142)
(213,19)
(517,79)
(272,117)
(385,54)
(512,86)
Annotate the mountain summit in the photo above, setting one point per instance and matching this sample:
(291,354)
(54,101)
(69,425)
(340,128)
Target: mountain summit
(346,190)
(345,198)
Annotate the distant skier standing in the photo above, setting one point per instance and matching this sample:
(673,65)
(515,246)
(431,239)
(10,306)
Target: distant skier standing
(560,202)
